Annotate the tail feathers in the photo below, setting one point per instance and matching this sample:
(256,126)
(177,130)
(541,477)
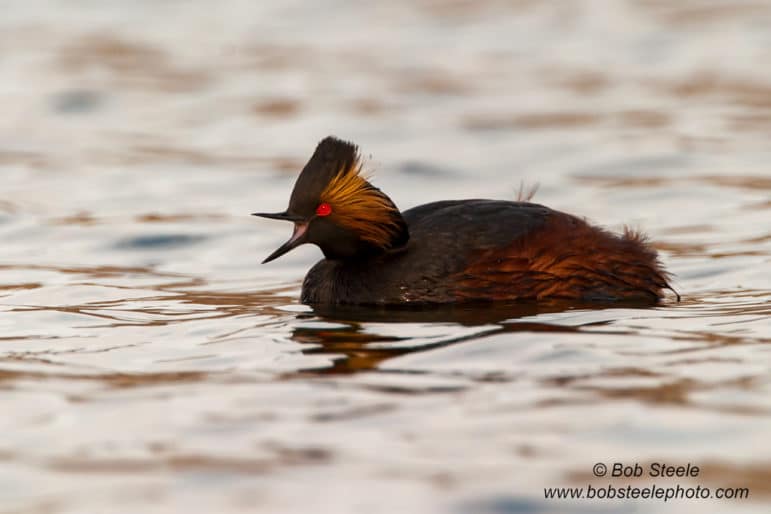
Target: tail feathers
(641,240)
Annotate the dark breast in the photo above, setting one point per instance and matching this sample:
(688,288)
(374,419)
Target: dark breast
(486,250)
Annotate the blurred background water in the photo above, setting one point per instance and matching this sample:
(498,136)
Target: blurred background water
(148,363)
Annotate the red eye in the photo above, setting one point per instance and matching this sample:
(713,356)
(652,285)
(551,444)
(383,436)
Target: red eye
(324,209)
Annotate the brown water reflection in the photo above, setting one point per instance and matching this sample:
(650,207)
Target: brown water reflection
(356,348)
(145,65)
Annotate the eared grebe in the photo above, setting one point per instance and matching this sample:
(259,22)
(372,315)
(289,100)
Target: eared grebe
(453,250)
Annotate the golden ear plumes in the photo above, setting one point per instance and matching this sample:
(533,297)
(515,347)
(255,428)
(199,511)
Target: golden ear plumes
(359,206)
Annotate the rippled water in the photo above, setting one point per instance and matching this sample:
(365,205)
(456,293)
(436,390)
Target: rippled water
(148,363)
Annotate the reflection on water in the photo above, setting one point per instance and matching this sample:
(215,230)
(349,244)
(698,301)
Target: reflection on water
(149,364)
(348,334)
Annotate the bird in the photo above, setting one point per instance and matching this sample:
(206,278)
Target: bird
(453,251)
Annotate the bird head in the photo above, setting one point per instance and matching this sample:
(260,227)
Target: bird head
(335,207)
